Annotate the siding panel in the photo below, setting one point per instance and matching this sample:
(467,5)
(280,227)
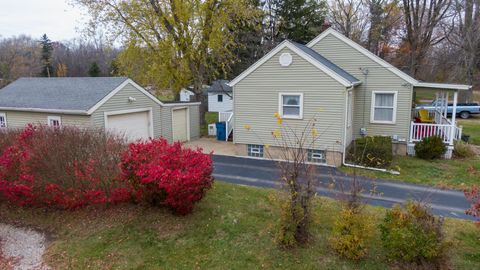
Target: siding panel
(378,79)
(16,119)
(256,101)
(120,102)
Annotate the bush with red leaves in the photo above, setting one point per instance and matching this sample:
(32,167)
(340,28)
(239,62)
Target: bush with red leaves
(167,174)
(64,167)
(473,196)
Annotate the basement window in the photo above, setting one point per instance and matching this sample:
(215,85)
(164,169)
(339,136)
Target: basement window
(316,156)
(255,150)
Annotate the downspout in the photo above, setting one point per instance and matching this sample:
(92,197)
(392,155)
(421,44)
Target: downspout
(344,163)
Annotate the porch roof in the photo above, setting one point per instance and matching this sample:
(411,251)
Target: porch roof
(442,86)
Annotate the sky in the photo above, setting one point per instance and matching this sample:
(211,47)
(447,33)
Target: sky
(58,19)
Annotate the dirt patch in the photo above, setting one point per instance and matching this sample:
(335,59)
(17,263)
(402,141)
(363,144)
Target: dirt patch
(21,248)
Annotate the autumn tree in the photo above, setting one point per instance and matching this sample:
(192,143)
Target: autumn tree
(348,17)
(421,21)
(178,40)
(47,48)
(19,57)
(62,70)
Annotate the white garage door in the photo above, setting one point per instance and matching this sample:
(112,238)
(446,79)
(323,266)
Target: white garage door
(180,125)
(133,126)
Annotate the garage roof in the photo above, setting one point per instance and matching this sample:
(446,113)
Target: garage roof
(69,94)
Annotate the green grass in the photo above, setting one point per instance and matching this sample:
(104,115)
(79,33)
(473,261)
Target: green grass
(210,118)
(234,227)
(452,173)
(472,127)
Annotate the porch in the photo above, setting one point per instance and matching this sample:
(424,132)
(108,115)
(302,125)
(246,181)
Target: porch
(437,118)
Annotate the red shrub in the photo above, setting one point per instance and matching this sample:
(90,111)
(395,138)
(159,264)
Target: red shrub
(473,196)
(162,173)
(66,168)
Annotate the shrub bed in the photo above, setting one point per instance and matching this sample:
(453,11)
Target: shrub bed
(167,174)
(61,167)
(413,237)
(373,151)
(430,148)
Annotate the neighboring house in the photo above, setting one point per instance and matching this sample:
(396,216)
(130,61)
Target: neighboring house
(186,95)
(350,91)
(116,104)
(220,97)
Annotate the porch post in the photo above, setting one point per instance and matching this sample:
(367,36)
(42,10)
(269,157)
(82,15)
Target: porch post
(454,116)
(445,106)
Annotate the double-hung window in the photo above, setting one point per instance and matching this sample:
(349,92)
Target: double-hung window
(384,107)
(3,120)
(291,105)
(54,121)
(220,98)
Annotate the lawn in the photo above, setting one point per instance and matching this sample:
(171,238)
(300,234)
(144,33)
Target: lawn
(472,127)
(452,173)
(210,118)
(232,228)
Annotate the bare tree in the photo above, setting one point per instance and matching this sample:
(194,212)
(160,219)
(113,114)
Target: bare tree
(466,37)
(421,21)
(19,57)
(348,17)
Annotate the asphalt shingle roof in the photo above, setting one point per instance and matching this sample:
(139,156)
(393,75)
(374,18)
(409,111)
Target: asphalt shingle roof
(219,86)
(326,62)
(73,93)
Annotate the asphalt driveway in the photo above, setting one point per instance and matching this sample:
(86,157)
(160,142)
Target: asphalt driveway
(264,173)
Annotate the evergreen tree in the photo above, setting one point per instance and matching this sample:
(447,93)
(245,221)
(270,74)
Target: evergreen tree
(47,48)
(300,20)
(94,70)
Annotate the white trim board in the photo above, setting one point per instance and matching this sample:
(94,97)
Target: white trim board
(292,47)
(385,64)
(150,117)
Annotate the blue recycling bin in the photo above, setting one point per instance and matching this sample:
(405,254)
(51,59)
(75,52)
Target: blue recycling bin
(221,132)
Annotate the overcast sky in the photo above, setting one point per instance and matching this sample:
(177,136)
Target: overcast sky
(56,18)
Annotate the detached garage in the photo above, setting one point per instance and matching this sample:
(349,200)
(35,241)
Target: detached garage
(117,104)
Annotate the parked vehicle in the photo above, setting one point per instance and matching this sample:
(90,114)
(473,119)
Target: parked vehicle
(464,110)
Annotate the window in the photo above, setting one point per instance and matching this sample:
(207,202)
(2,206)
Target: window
(220,98)
(3,120)
(316,156)
(291,105)
(54,121)
(350,109)
(384,107)
(254,150)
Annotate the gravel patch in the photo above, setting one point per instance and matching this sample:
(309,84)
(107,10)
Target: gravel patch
(25,246)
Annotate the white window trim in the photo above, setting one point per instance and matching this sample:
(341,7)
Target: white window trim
(349,108)
(372,109)
(280,105)
(4,115)
(54,117)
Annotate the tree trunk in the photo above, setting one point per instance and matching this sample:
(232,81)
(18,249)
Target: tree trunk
(199,97)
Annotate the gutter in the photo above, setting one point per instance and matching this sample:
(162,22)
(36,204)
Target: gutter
(344,163)
(79,112)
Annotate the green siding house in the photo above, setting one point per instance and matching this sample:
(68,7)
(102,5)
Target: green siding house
(348,90)
(116,104)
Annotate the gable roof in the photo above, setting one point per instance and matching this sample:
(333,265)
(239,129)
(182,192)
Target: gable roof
(383,63)
(309,55)
(71,95)
(219,86)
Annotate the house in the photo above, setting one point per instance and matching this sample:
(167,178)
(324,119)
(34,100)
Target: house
(116,104)
(220,97)
(186,95)
(349,90)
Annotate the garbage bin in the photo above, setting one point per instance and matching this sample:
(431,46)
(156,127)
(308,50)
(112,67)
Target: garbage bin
(220,131)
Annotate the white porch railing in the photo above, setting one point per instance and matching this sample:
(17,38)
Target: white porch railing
(419,131)
(227,117)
